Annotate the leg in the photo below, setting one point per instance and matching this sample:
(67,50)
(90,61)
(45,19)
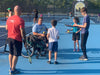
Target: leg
(10,60)
(49,55)
(50,50)
(74,46)
(34,20)
(10,52)
(74,39)
(17,52)
(77,45)
(49,62)
(55,47)
(83,43)
(14,62)
(55,56)
(83,47)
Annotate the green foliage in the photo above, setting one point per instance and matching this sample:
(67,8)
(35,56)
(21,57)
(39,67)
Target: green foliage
(45,5)
(93,6)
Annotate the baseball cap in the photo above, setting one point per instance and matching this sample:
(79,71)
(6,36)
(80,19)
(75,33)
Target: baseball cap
(9,9)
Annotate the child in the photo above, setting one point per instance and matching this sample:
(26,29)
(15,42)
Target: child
(53,36)
(76,34)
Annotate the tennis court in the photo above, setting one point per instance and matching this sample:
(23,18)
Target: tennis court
(69,63)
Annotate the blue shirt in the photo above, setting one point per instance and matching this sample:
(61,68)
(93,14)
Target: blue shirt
(75,29)
(39,28)
(86,20)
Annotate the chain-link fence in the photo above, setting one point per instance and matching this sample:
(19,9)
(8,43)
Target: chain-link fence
(54,8)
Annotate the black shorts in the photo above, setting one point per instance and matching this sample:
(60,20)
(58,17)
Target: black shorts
(15,47)
(76,36)
(36,16)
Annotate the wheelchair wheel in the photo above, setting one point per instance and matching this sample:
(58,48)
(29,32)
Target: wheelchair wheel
(26,52)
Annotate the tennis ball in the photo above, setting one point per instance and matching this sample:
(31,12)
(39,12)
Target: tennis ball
(43,32)
(68,31)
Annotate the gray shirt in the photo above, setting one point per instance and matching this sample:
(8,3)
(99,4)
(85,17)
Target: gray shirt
(86,20)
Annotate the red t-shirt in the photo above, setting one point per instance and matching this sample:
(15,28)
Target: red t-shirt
(14,23)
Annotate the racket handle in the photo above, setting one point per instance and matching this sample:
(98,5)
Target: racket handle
(30,60)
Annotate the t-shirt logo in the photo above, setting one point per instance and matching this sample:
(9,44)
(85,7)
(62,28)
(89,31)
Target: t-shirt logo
(12,21)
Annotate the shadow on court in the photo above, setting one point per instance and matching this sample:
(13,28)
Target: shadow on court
(63,71)
(68,64)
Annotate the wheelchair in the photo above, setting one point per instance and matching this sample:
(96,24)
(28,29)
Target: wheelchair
(35,45)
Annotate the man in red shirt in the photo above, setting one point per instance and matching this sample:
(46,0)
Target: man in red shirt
(16,32)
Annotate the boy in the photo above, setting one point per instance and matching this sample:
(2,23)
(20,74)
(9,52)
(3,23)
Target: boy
(84,32)
(53,36)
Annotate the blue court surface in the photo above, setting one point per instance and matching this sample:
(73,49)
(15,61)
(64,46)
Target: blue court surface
(69,63)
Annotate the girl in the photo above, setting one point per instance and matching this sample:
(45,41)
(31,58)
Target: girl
(76,33)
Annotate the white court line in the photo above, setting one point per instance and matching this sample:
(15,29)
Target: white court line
(2,46)
(3,26)
(3,34)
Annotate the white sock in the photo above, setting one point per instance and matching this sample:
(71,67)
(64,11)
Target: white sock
(55,60)
(77,45)
(49,59)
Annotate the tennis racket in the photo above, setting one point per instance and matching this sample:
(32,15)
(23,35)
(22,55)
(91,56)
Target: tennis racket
(29,57)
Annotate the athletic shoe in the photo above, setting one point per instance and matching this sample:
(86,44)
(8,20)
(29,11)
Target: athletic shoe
(14,72)
(55,62)
(10,70)
(49,62)
(74,50)
(83,58)
(78,50)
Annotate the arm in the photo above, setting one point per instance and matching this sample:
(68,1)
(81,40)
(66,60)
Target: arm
(38,34)
(58,37)
(81,26)
(78,31)
(23,34)
(6,27)
(34,30)
(48,35)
